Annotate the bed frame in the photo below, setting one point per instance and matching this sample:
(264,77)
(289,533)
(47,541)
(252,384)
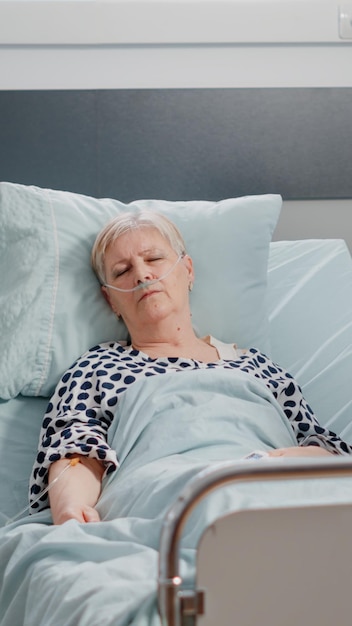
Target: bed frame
(249,561)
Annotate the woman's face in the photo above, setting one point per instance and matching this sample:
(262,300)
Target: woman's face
(138,256)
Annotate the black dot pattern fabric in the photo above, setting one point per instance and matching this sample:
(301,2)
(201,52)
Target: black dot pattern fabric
(85,401)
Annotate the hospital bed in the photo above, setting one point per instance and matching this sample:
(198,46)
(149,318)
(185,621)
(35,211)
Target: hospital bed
(222,542)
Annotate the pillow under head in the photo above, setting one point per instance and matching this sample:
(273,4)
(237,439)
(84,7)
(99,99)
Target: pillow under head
(52,310)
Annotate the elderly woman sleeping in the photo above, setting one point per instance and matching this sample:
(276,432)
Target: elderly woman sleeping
(146,276)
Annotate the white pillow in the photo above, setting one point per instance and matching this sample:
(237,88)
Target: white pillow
(51,307)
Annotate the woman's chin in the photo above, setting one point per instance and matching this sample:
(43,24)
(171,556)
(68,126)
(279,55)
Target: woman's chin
(152,310)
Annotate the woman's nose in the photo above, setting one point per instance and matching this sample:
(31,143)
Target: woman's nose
(142,274)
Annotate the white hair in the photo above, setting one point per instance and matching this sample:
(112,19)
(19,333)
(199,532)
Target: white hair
(131,220)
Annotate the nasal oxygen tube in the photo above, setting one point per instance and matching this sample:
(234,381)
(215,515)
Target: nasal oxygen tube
(72,463)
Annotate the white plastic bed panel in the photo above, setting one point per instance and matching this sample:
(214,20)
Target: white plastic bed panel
(251,564)
(272,560)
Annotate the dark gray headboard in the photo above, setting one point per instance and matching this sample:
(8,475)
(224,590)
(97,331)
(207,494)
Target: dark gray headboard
(180,143)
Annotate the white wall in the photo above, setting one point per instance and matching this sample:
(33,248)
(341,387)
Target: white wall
(314,219)
(60,44)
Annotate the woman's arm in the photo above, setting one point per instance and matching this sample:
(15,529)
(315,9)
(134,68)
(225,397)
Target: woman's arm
(312,438)
(75,424)
(76,492)
(301,451)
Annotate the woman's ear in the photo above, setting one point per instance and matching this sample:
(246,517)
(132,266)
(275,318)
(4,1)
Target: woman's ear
(106,295)
(189,265)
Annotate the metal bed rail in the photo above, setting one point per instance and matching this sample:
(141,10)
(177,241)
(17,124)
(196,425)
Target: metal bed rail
(174,602)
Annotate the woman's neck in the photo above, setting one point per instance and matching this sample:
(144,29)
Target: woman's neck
(179,344)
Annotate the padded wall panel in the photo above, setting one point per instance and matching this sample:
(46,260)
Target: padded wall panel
(48,138)
(180,143)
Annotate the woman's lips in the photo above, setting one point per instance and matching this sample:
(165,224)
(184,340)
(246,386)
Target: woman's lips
(149,293)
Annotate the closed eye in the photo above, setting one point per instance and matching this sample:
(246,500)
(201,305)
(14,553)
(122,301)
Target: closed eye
(121,272)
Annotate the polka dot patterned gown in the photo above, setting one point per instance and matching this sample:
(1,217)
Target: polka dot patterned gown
(83,406)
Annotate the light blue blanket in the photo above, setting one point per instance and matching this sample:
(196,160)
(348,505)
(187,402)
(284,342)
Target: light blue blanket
(167,429)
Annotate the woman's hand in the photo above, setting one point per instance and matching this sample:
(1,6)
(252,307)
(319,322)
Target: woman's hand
(301,451)
(76,493)
(82,513)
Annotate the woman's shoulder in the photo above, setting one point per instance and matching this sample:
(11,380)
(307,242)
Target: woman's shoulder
(93,362)
(99,351)
(106,346)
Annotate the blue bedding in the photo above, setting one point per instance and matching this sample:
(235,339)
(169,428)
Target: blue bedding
(106,572)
